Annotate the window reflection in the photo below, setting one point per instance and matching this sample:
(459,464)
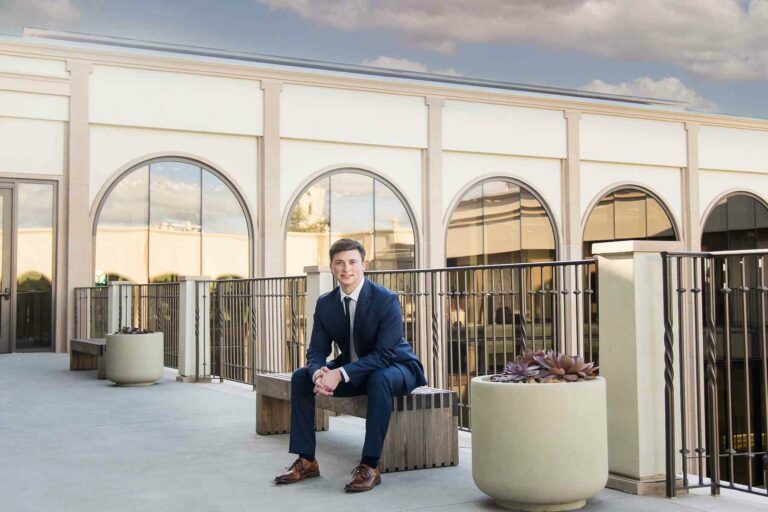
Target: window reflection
(168,219)
(349,205)
(499,222)
(627,214)
(34,266)
(737,222)
(174,220)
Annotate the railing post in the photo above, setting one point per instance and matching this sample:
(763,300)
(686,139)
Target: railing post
(190,355)
(118,309)
(319,281)
(632,361)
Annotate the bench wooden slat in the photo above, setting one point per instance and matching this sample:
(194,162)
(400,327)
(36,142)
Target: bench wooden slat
(423,429)
(88,354)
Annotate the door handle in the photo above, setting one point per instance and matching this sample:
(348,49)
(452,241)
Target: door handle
(6,294)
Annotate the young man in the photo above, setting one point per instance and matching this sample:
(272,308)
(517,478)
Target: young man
(365,321)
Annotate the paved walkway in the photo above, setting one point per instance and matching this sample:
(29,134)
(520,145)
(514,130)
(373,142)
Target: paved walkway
(69,442)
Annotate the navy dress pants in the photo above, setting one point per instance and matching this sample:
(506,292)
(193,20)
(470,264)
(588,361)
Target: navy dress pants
(380,386)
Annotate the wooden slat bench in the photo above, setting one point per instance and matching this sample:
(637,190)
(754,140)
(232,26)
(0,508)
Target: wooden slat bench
(89,354)
(423,430)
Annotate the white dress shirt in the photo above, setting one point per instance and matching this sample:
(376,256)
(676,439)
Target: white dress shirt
(352,308)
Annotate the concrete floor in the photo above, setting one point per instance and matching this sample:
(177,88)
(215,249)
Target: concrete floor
(69,442)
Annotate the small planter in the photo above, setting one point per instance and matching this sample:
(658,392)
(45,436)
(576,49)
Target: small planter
(539,446)
(134,359)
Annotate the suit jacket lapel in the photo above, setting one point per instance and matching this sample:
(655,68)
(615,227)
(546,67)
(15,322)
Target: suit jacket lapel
(339,320)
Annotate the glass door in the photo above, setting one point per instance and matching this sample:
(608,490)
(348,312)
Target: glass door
(6,198)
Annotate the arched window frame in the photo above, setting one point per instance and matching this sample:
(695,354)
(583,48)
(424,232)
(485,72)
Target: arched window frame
(351,169)
(724,196)
(628,186)
(103,197)
(508,179)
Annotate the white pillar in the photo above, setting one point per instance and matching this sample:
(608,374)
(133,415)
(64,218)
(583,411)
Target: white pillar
(117,317)
(630,297)
(191,344)
(319,281)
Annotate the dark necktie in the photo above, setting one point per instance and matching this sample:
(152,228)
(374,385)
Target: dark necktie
(348,318)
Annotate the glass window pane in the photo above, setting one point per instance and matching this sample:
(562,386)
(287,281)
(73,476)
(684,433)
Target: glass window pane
(741,223)
(715,235)
(538,235)
(121,235)
(464,241)
(394,245)
(501,221)
(600,222)
(352,209)
(308,236)
(761,218)
(629,207)
(225,231)
(34,266)
(174,220)
(659,225)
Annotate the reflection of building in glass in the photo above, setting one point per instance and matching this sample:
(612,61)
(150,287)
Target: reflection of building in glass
(171,218)
(349,205)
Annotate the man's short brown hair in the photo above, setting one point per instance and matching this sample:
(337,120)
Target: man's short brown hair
(346,244)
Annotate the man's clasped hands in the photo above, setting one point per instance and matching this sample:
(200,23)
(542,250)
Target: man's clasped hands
(326,381)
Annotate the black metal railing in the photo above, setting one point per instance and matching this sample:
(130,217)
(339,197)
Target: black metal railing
(248,326)
(155,307)
(91,312)
(716,370)
(465,322)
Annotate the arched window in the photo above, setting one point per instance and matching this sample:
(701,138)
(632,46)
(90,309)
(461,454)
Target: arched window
(627,214)
(350,204)
(171,217)
(737,222)
(499,221)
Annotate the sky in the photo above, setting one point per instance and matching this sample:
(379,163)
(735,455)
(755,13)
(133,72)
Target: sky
(711,54)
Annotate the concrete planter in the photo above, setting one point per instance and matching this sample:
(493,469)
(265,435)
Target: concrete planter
(134,359)
(539,447)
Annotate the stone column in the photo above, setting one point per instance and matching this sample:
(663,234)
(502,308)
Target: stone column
(119,305)
(433,243)
(319,281)
(77,232)
(194,335)
(571,228)
(632,361)
(269,261)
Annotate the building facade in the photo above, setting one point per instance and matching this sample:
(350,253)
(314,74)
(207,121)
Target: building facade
(124,160)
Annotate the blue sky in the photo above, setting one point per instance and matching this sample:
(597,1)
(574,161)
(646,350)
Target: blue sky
(712,54)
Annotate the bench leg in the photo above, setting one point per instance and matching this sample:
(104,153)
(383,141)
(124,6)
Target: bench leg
(273,416)
(101,367)
(81,361)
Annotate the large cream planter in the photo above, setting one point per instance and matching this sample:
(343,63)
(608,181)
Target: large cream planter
(539,447)
(134,359)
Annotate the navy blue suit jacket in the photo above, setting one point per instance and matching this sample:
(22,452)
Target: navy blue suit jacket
(378,336)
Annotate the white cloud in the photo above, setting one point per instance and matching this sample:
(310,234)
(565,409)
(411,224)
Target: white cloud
(722,39)
(407,65)
(49,12)
(669,88)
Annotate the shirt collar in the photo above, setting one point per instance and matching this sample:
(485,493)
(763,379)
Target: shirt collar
(355,293)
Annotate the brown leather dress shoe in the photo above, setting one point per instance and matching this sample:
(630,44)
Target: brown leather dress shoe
(299,470)
(364,478)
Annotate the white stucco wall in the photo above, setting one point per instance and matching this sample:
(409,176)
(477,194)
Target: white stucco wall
(597,178)
(505,130)
(714,184)
(160,99)
(32,146)
(629,140)
(733,149)
(540,174)
(301,159)
(112,148)
(33,66)
(339,115)
(34,106)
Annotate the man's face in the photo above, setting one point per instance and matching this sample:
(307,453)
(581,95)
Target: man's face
(348,268)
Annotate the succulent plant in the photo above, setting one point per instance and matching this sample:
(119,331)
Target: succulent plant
(547,366)
(133,330)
